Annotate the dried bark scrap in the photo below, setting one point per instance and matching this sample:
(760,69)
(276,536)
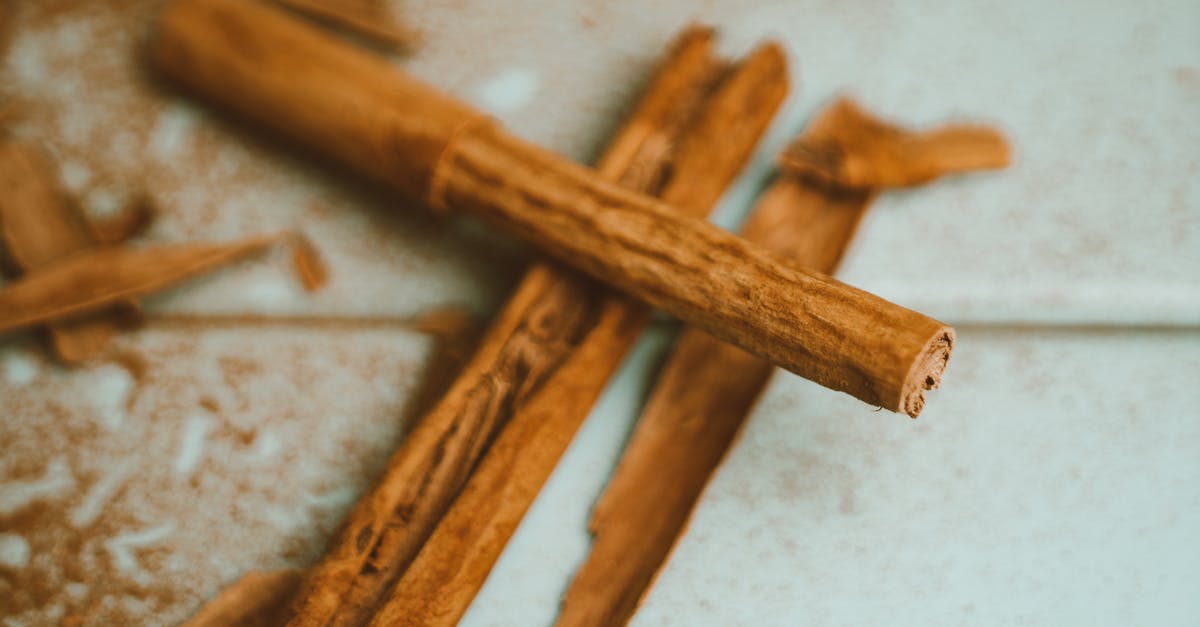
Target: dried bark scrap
(449,570)
(540,326)
(849,148)
(707,388)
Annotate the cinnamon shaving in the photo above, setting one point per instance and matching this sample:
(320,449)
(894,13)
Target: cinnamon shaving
(849,148)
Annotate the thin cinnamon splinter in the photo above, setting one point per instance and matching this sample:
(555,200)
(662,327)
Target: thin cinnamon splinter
(367,18)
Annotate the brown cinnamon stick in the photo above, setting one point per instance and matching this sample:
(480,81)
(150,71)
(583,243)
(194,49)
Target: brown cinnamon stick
(355,107)
(39,225)
(454,563)
(707,387)
(521,355)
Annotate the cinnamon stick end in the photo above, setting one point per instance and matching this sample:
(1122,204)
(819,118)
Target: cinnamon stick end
(926,371)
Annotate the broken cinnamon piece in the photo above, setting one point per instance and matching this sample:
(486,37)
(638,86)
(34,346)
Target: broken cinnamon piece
(38,226)
(851,149)
(255,600)
(455,333)
(707,388)
(313,272)
(523,354)
(454,563)
(102,277)
(366,18)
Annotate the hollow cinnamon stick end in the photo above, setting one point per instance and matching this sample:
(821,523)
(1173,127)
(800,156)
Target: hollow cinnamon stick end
(926,371)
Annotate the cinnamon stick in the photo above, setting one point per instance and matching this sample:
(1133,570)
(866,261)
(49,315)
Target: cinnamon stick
(454,563)
(357,108)
(39,225)
(707,388)
(521,355)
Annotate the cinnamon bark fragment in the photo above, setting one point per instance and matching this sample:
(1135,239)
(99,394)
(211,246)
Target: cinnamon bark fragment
(38,226)
(454,563)
(523,354)
(357,108)
(850,148)
(101,277)
(707,388)
(255,600)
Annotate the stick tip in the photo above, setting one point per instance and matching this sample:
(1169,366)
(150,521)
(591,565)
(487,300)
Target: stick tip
(926,371)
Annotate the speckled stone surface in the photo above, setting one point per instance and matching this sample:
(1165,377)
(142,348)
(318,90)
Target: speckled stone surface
(1055,480)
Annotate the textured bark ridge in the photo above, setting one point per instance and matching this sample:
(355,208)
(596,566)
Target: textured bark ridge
(529,350)
(356,107)
(707,388)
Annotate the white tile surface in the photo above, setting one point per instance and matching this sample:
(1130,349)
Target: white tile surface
(1055,481)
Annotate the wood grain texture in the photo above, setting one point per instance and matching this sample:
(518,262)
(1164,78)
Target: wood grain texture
(454,563)
(355,107)
(38,226)
(541,325)
(707,388)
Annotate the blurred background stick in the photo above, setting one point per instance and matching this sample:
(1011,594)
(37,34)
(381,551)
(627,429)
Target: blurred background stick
(355,107)
(536,342)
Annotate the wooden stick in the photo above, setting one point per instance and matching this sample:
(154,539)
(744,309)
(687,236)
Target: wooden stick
(454,563)
(528,343)
(357,108)
(39,225)
(707,387)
